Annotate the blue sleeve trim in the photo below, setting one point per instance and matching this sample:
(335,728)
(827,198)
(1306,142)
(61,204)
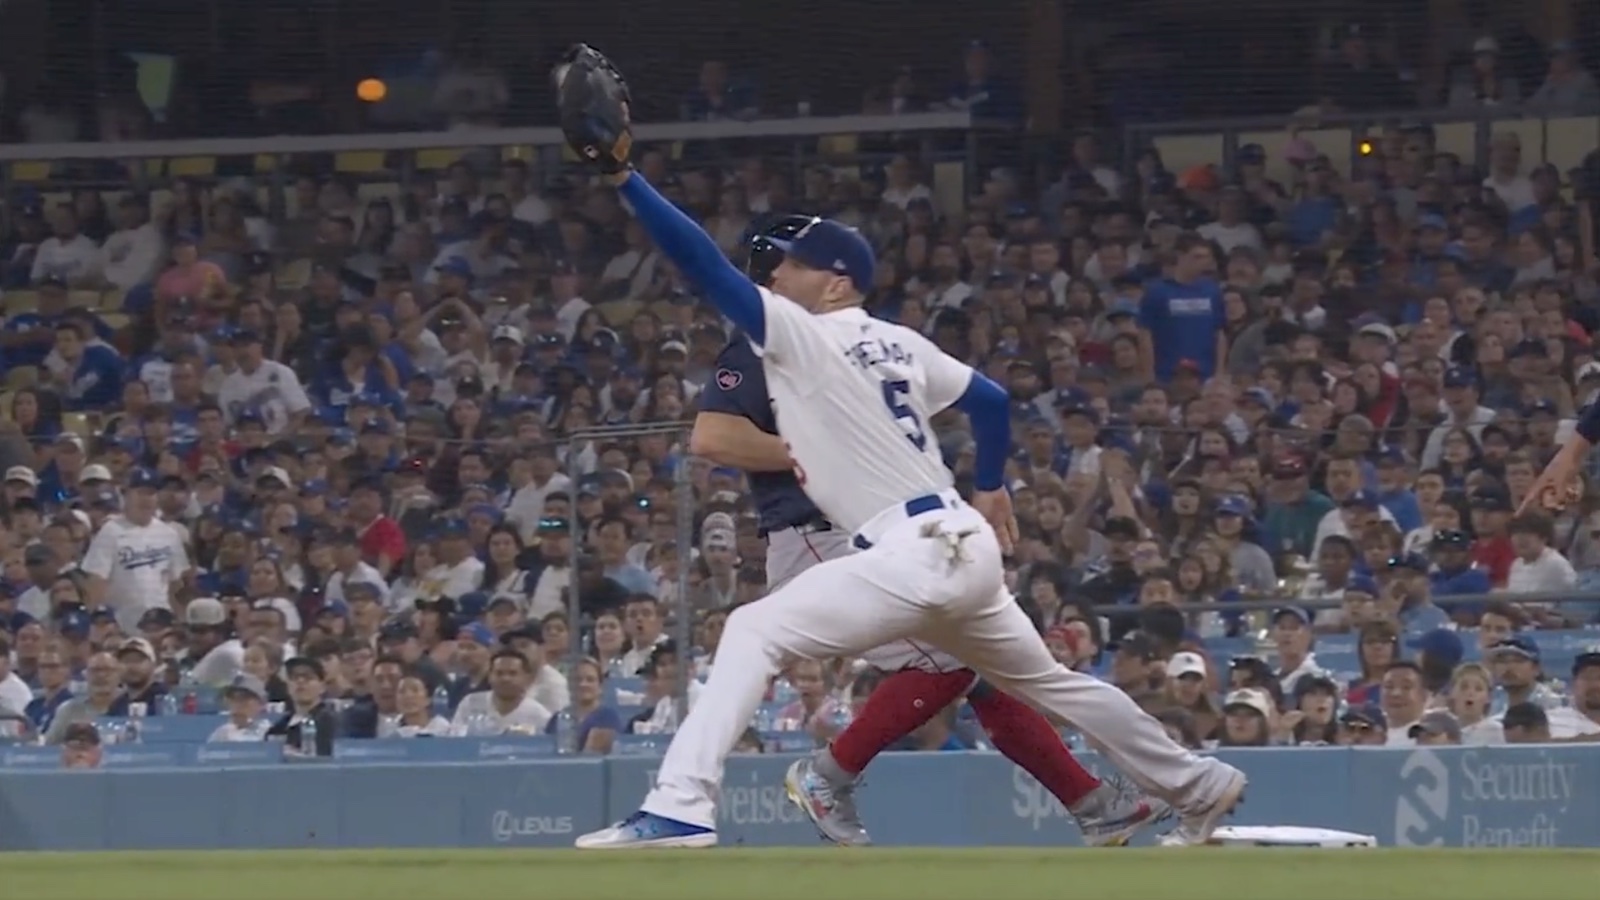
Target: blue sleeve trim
(989,409)
(698,257)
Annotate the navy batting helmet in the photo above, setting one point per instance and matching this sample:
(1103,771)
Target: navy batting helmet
(764,254)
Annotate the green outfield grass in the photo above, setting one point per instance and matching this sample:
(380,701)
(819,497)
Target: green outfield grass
(811,874)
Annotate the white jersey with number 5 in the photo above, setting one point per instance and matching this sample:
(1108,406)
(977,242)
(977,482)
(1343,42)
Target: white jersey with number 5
(853,396)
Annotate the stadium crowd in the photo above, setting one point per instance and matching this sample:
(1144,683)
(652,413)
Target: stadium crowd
(320,463)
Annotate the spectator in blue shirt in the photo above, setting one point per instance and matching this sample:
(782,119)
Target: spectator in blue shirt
(1183,316)
(28,337)
(597,723)
(980,91)
(92,373)
(1453,572)
(1394,490)
(1317,212)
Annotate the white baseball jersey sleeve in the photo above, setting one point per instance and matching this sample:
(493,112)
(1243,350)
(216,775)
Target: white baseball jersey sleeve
(853,396)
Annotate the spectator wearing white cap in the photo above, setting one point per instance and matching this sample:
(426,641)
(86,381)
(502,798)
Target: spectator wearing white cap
(60,477)
(1484,84)
(505,353)
(246,697)
(719,557)
(136,562)
(213,658)
(21,482)
(1188,690)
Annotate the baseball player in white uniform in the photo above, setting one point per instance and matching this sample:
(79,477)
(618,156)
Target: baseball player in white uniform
(735,427)
(135,560)
(852,396)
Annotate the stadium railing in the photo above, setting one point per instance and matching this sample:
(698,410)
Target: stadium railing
(948,140)
(1562,140)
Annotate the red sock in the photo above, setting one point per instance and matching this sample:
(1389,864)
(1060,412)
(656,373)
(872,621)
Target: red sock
(899,705)
(1027,739)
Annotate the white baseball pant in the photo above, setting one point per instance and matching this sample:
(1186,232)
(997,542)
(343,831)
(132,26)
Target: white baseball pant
(937,578)
(794,550)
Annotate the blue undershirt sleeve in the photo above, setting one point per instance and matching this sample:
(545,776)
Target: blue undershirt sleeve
(989,410)
(698,257)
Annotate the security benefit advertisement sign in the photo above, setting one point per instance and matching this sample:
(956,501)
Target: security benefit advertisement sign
(1529,796)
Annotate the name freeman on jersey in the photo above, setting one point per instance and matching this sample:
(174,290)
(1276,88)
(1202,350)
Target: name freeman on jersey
(867,354)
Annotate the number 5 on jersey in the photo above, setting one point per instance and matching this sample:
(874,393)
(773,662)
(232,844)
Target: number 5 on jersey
(894,396)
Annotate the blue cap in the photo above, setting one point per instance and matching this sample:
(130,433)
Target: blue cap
(1235,505)
(316,487)
(74,624)
(375,425)
(1460,376)
(1516,645)
(488,510)
(471,605)
(455,265)
(1123,307)
(1261,396)
(1540,405)
(835,247)
(1362,584)
(1414,561)
(1081,409)
(144,478)
(1368,714)
(1431,220)
(1296,611)
(478,633)
(1442,645)
(1362,498)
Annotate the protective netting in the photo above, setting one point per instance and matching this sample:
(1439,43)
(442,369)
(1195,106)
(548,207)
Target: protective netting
(177,68)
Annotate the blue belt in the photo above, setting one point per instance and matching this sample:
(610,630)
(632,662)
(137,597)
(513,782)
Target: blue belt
(914,507)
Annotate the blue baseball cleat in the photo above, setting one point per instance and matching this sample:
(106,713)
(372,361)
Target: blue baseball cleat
(644,830)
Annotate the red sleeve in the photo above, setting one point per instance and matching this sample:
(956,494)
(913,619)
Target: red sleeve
(1382,407)
(384,538)
(1495,556)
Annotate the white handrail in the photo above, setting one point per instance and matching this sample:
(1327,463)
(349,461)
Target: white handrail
(485,137)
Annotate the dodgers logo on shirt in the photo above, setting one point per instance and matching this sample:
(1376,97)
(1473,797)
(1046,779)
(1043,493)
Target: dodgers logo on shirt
(728,379)
(130,558)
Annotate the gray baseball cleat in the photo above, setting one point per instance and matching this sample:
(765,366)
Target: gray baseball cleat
(831,808)
(1196,824)
(1116,811)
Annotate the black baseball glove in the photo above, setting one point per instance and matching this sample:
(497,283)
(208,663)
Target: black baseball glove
(593,98)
